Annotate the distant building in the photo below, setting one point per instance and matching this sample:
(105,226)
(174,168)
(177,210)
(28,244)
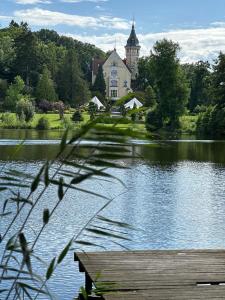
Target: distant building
(119,73)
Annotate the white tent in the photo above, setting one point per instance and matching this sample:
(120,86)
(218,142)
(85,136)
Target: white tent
(132,103)
(96,101)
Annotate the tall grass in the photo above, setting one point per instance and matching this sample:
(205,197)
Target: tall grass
(68,171)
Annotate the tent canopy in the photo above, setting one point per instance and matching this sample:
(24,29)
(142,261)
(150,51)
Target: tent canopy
(96,101)
(132,103)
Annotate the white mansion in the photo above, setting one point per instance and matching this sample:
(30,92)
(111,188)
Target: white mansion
(119,73)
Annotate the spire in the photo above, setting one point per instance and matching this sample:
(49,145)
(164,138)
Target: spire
(133,40)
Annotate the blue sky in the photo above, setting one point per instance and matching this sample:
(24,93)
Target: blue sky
(198,25)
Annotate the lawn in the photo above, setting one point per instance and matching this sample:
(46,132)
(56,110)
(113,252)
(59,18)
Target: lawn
(54,121)
(188,123)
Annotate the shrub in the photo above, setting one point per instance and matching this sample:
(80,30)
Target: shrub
(212,122)
(45,106)
(25,110)
(92,109)
(153,120)
(77,117)
(43,124)
(8,120)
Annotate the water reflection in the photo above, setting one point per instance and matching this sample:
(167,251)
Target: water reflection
(175,195)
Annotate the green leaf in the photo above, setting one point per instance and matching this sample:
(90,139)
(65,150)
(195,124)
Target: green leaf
(113,222)
(37,180)
(27,286)
(5,214)
(23,241)
(50,269)
(104,163)
(64,252)
(105,233)
(84,293)
(46,175)
(63,141)
(81,178)
(60,189)
(89,244)
(46,216)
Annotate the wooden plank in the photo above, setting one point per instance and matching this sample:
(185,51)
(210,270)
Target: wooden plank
(156,275)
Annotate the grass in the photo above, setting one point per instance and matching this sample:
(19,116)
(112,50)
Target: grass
(188,123)
(54,121)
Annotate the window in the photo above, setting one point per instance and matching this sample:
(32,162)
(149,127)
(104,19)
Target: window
(114,73)
(125,83)
(114,83)
(114,93)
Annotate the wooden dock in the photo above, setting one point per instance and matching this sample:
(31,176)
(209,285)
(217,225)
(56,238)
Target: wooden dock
(158,275)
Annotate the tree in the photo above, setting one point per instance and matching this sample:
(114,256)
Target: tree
(170,81)
(45,87)
(150,97)
(25,110)
(199,77)
(219,80)
(99,84)
(71,85)
(3,89)
(14,94)
(27,61)
(145,75)
(7,55)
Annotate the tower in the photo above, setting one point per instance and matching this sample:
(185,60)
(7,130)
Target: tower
(133,52)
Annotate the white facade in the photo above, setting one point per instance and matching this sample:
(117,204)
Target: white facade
(118,73)
(117,77)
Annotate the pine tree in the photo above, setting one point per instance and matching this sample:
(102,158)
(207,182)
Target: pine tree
(99,85)
(45,87)
(72,87)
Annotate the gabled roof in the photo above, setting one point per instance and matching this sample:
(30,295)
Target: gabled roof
(133,40)
(97,62)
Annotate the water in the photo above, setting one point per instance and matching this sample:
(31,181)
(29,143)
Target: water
(174,195)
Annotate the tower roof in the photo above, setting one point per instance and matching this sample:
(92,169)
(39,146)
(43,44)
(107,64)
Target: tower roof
(133,40)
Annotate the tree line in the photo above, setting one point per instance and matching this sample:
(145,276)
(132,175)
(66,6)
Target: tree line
(43,66)
(173,89)
(49,70)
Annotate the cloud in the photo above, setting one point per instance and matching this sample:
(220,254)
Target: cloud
(25,2)
(41,17)
(197,44)
(78,1)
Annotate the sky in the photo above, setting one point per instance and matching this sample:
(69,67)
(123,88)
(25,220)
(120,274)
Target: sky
(198,25)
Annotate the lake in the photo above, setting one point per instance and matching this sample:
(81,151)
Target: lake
(174,197)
